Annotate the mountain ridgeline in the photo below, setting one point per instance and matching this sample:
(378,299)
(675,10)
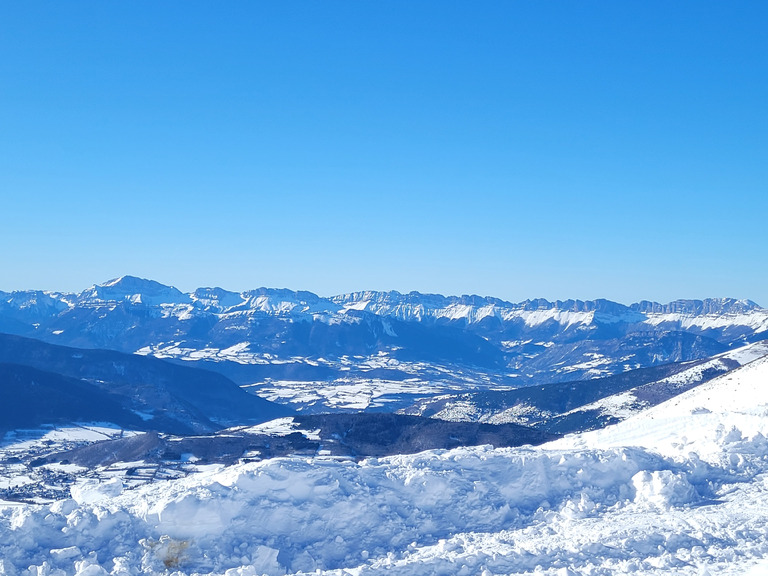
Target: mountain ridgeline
(268,333)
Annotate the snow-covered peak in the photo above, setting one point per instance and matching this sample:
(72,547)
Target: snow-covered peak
(535,339)
(376,300)
(217,298)
(698,315)
(280,301)
(135,290)
(285,295)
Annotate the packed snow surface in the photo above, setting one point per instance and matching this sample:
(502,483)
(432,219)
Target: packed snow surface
(680,489)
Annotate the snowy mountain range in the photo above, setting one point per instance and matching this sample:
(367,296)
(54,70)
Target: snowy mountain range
(282,335)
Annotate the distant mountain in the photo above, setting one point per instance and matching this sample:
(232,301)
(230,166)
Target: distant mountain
(59,383)
(266,334)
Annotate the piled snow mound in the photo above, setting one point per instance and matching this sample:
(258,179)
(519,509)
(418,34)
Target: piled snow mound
(463,511)
(91,491)
(662,488)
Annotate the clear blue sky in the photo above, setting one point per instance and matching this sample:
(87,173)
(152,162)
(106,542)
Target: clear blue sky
(519,149)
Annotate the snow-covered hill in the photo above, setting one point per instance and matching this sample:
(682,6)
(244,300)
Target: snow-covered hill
(276,335)
(678,489)
(710,420)
(587,404)
(637,399)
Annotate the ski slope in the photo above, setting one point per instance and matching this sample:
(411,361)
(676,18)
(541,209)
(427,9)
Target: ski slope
(682,489)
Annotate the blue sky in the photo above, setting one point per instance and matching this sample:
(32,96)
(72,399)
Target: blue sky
(515,149)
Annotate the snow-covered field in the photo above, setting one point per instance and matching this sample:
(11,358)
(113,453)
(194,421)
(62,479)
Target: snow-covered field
(681,488)
(350,393)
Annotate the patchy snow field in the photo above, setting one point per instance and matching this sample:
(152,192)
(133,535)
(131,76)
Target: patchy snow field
(352,394)
(681,488)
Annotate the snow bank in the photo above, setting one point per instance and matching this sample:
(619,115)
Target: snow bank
(480,508)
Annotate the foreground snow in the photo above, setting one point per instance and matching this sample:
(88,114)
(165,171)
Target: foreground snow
(690,498)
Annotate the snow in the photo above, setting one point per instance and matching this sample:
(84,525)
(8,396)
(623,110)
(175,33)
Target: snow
(563,317)
(464,511)
(756,320)
(92,491)
(280,427)
(591,365)
(15,480)
(85,432)
(621,406)
(729,409)
(347,393)
(133,290)
(459,411)
(472,309)
(747,353)
(627,404)
(521,413)
(681,488)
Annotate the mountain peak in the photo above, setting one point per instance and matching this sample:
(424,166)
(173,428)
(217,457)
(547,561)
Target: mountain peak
(129,282)
(136,290)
